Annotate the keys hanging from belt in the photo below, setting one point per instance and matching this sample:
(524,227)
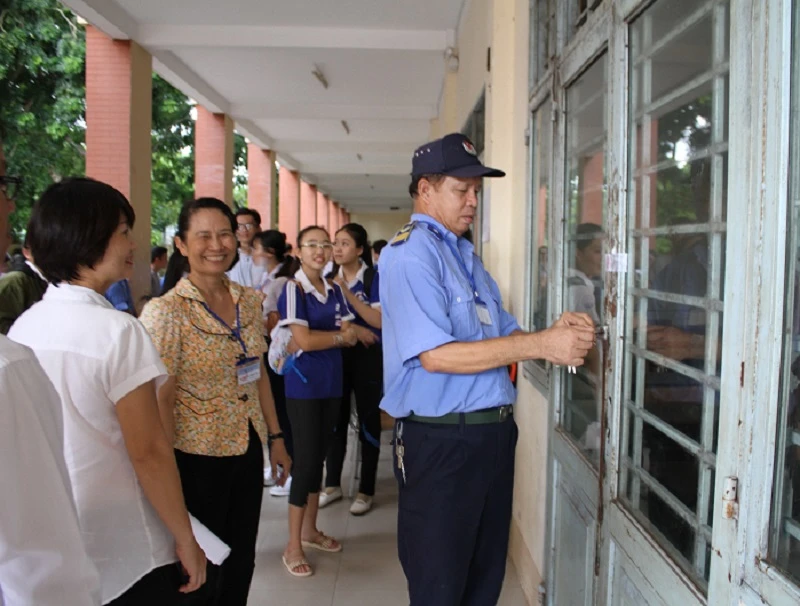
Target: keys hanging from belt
(400,450)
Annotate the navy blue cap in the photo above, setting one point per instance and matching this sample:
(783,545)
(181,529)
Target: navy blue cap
(452,155)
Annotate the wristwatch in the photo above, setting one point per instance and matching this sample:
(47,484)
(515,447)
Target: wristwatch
(271,437)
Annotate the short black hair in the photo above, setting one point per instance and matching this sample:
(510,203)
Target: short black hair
(413,188)
(273,241)
(378,245)
(192,206)
(72,224)
(252,212)
(157,252)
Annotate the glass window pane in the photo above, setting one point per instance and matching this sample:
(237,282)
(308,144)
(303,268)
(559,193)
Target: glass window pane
(543,37)
(542,142)
(676,239)
(584,205)
(785,535)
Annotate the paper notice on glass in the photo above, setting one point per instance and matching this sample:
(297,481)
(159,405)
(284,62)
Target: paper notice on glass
(216,551)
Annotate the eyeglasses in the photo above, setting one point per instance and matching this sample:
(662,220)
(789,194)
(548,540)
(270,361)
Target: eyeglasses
(246,226)
(316,245)
(10,186)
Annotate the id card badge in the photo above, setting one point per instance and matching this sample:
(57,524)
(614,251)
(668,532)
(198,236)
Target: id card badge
(483,313)
(248,370)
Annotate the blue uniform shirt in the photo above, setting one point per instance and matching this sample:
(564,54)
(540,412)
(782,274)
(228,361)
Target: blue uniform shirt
(427,301)
(357,287)
(119,295)
(301,303)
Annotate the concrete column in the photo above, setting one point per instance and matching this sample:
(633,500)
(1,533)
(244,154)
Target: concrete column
(262,184)
(335,218)
(289,204)
(308,204)
(213,156)
(119,78)
(322,209)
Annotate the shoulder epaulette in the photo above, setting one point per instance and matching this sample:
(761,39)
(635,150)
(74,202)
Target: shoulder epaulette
(403,235)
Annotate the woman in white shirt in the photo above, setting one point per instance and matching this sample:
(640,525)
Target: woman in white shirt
(269,253)
(105,368)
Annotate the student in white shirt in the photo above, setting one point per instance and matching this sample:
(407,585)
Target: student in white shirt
(105,368)
(42,557)
(245,272)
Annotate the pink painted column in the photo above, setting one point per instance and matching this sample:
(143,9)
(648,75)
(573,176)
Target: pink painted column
(213,156)
(308,204)
(262,182)
(335,217)
(289,204)
(344,217)
(322,209)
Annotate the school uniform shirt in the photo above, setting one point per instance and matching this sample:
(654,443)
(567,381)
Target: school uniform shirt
(357,287)
(212,411)
(120,296)
(302,304)
(427,301)
(580,294)
(246,272)
(42,557)
(271,287)
(95,355)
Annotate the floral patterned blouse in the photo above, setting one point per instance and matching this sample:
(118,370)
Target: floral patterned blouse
(212,411)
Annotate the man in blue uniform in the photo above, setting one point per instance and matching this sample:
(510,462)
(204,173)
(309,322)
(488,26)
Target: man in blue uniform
(447,342)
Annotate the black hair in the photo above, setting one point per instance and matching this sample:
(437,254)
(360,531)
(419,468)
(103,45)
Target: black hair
(273,241)
(413,188)
(184,220)
(241,212)
(72,224)
(157,252)
(587,233)
(378,246)
(361,238)
(176,267)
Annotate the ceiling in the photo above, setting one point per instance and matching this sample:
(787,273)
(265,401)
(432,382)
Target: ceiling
(253,59)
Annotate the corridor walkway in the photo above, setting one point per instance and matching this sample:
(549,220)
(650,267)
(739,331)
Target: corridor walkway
(367,571)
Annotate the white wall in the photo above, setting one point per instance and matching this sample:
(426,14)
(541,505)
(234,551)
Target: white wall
(381,226)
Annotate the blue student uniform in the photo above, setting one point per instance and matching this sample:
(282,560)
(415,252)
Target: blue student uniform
(373,299)
(427,301)
(119,295)
(300,303)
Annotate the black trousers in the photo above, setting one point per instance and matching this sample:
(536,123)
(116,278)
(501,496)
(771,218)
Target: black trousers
(278,388)
(363,375)
(312,428)
(225,493)
(455,511)
(160,587)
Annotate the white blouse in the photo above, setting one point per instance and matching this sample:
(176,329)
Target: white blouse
(95,355)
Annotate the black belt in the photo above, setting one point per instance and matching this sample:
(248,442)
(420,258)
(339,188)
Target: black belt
(477,417)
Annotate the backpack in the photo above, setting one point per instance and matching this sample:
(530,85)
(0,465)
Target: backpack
(280,360)
(369,277)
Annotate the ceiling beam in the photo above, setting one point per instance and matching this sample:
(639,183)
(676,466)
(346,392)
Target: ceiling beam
(108,17)
(346,168)
(346,146)
(322,111)
(156,36)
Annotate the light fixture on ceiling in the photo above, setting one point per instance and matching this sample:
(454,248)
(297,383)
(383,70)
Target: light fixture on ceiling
(317,73)
(451,59)
(346,126)
(394,208)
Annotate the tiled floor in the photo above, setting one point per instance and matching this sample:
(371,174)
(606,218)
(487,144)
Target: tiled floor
(366,572)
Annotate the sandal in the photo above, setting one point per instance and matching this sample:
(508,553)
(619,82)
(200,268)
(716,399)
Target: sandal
(294,564)
(323,543)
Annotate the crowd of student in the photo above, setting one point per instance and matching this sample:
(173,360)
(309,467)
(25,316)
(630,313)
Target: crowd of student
(163,419)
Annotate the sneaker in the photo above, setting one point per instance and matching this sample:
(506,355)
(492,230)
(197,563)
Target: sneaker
(330,495)
(281,491)
(361,505)
(268,479)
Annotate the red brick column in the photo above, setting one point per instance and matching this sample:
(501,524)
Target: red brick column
(119,79)
(308,204)
(213,156)
(262,183)
(344,217)
(322,209)
(289,204)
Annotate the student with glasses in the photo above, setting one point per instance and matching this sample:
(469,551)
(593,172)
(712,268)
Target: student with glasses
(316,312)
(245,271)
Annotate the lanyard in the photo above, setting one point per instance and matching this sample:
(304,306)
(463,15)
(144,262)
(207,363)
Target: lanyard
(463,266)
(236,332)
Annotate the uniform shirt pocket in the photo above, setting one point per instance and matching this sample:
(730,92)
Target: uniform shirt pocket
(464,315)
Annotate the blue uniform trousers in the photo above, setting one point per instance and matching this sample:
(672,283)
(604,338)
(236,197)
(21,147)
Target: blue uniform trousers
(455,510)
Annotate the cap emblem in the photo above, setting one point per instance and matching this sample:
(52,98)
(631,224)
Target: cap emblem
(469,148)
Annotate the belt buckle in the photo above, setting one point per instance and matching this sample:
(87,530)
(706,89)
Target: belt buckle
(504,412)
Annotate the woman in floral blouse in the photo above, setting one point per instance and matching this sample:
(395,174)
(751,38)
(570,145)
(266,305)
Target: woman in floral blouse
(217,405)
